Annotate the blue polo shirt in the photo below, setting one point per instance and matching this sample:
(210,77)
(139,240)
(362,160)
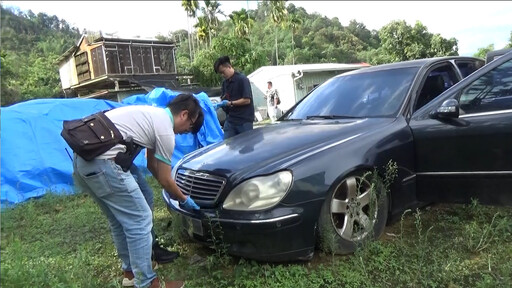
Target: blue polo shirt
(234,88)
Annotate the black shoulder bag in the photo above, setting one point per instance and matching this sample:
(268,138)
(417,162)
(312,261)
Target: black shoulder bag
(91,136)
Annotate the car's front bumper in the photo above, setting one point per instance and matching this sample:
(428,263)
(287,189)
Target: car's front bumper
(279,234)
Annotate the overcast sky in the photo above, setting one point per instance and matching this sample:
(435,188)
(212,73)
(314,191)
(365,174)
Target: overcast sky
(475,24)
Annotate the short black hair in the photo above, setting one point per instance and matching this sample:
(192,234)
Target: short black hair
(199,122)
(269,82)
(190,103)
(221,61)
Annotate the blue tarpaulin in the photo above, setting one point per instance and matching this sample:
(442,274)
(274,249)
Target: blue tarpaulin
(34,159)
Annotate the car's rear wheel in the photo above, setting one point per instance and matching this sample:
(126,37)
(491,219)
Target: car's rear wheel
(354,212)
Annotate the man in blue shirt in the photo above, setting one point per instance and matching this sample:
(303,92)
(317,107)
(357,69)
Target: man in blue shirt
(236,98)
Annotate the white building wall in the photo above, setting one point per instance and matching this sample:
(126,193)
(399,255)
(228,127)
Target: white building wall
(282,80)
(67,74)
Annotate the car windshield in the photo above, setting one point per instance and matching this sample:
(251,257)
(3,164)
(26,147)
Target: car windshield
(370,94)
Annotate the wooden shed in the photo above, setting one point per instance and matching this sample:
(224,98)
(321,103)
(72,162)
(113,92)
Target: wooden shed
(117,67)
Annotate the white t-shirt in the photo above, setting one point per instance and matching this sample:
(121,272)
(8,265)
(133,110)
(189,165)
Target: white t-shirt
(149,126)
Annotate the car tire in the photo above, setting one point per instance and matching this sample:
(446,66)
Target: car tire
(346,220)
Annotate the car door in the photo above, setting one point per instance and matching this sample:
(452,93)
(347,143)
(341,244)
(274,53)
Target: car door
(469,156)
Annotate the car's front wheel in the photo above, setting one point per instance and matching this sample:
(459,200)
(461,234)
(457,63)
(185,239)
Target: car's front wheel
(354,211)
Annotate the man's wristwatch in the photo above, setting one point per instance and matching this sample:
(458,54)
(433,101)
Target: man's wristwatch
(230,103)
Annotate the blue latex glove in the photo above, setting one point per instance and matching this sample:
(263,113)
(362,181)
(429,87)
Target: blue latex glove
(189,204)
(223,103)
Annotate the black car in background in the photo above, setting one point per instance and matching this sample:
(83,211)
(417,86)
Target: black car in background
(272,193)
(492,55)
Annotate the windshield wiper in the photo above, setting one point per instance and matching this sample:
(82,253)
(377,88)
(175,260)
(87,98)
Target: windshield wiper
(330,117)
(290,119)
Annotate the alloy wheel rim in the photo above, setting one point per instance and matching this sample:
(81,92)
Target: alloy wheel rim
(353,208)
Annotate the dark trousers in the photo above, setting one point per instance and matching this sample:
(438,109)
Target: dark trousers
(232,129)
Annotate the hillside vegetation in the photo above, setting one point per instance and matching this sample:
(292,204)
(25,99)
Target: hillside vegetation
(276,33)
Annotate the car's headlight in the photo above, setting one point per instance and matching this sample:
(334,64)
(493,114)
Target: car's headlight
(260,192)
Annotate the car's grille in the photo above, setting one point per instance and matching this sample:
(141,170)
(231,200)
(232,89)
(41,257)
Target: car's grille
(201,186)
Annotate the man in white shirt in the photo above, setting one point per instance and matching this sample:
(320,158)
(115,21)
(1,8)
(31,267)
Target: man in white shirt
(272,97)
(117,192)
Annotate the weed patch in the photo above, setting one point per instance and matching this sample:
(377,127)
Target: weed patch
(64,241)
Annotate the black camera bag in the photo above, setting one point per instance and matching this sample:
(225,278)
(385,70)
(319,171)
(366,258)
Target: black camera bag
(91,136)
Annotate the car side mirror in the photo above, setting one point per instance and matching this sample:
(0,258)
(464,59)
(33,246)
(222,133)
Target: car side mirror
(449,109)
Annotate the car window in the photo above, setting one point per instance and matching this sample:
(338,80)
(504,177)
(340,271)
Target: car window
(468,67)
(491,92)
(437,81)
(369,94)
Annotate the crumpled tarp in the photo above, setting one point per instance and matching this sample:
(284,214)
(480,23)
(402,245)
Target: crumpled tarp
(34,159)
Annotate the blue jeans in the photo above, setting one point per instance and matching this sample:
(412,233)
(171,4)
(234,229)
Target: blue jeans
(120,198)
(231,129)
(146,191)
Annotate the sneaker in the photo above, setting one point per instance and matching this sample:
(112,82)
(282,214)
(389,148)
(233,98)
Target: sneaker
(129,279)
(162,255)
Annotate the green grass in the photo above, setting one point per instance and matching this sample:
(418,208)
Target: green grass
(64,241)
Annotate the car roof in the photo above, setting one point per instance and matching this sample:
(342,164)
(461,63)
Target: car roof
(410,64)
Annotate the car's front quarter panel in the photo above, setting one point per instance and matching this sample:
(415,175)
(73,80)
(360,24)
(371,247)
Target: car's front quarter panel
(315,175)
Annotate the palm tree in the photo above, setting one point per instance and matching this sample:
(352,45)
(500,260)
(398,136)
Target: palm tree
(277,15)
(294,22)
(242,21)
(191,7)
(211,11)
(203,29)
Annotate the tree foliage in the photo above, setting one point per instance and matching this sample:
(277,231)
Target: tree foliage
(509,45)
(278,14)
(210,12)
(31,44)
(243,23)
(483,51)
(275,33)
(404,42)
(238,49)
(191,7)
